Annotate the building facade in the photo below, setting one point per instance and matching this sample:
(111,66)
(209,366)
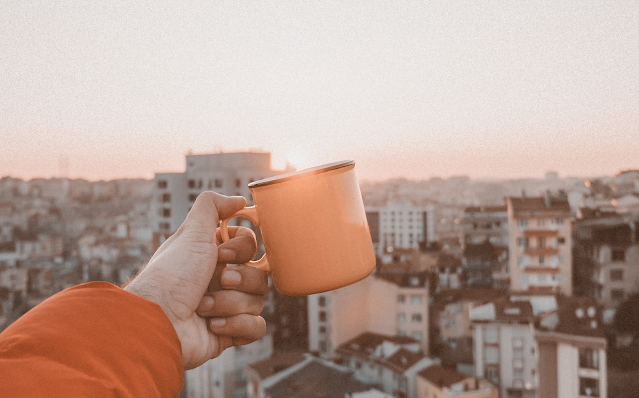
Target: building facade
(540,244)
(400,225)
(225,173)
(388,304)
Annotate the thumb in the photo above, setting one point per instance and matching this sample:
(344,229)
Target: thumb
(211,207)
(201,222)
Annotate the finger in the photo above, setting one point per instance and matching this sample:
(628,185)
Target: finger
(241,248)
(243,328)
(202,220)
(245,278)
(211,207)
(225,303)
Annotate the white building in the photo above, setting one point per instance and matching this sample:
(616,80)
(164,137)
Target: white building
(224,173)
(384,304)
(505,347)
(572,351)
(540,244)
(400,225)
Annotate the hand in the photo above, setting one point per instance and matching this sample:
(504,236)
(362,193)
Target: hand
(189,279)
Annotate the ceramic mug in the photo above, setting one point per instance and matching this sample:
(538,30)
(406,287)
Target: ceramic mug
(314,229)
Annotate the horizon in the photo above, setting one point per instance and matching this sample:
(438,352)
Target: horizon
(408,90)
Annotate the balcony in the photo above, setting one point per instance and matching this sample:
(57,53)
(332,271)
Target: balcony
(540,233)
(541,251)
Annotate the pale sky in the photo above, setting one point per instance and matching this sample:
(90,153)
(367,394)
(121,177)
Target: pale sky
(489,89)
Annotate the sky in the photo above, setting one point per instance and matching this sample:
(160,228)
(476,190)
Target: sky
(413,89)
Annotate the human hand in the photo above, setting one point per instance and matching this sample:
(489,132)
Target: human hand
(211,306)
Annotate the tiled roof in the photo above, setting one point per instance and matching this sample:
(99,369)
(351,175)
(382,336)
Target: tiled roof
(277,363)
(317,380)
(539,205)
(472,294)
(518,311)
(578,316)
(441,376)
(404,359)
(485,209)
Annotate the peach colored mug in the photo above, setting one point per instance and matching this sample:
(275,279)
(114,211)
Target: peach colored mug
(314,229)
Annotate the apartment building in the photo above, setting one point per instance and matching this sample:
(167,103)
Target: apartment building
(388,304)
(572,351)
(225,173)
(452,315)
(607,247)
(400,225)
(485,245)
(505,347)
(540,239)
(439,382)
(391,362)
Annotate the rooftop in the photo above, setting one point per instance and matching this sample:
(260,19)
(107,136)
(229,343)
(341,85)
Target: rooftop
(278,362)
(317,379)
(530,206)
(441,376)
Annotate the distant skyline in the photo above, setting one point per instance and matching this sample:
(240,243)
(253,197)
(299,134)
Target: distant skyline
(407,89)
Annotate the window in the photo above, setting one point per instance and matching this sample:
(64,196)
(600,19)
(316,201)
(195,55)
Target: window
(558,221)
(322,329)
(618,255)
(162,184)
(322,316)
(542,260)
(416,335)
(192,197)
(323,346)
(542,223)
(588,358)
(416,318)
(491,355)
(238,183)
(492,373)
(321,301)
(165,226)
(401,298)
(166,213)
(401,317)
(616,274)
(166,198)
(491,335)
(588,387)
(561,240)
(416,299)
(523,243)
(522,224)
(218,183)
(542,242)
(191,183)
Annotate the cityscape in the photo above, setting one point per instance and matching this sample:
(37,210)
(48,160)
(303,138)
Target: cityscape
(511,288)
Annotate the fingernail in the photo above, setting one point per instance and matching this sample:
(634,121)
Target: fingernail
(217,322)
(207,302)
(230,278)
(226,255)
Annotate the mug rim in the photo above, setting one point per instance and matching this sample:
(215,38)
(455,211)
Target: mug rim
(301,173)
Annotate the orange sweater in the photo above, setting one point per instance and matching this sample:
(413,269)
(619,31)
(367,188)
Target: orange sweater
(92,340)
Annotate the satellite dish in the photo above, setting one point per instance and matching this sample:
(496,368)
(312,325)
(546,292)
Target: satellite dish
(591,311)
(579,312)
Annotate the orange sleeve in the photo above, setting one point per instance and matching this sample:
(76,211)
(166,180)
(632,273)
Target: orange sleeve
(92,340)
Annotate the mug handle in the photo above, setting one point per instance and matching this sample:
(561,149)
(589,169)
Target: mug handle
(251,214)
